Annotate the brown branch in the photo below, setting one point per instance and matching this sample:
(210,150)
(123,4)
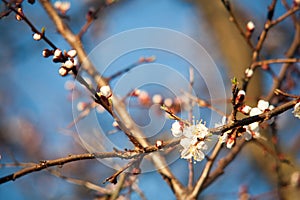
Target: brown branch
(204,175)
(285,15)
(222,164)
(86,184)
(233,19)
(275,61)
(33,28)
(257,118)
(262,38)
(130,154)
(290,52)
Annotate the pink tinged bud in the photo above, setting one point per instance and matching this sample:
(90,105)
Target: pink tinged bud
(150,59)
(159,144)
(249,72)
(63,71)
(250,26)
(105,91)
(263,105)
(19,16)
(168,102)
(136,92)
(69,64)
(230,143)
(144,98)
(157,99)
(72,53)
(37,36)
(81,106)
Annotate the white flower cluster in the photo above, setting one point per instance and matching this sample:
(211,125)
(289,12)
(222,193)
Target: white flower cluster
(193,141)
(252,130)
(297,110)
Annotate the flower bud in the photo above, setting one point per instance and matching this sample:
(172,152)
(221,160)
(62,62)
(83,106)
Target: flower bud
(37,36)
(168,102)
(159,144)
(105,91)
(249,72)
(46,53)
(19,16)
(250,26)
(63,71)
(69,64)
(72,53)
(157,99)
(240,96)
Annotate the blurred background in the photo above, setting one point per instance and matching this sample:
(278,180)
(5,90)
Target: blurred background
(36,104)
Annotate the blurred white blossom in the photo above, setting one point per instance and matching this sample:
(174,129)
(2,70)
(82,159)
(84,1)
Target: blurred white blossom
(297,110)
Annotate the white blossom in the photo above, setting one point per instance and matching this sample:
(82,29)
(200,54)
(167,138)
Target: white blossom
(263,105)
(252,131)
(193,148)
(246,109)
(177,129)
(255,111)
(297,110)
(193,142)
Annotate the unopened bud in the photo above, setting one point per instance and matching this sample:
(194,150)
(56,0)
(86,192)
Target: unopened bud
(63,71)
(69,64)
(250,26)
(20,14)
(47,53)
(159,144)
(72,53)
(249,72)
(105,91)
(37,36)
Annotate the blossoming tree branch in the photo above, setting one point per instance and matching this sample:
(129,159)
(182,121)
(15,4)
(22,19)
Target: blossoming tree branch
(191,138)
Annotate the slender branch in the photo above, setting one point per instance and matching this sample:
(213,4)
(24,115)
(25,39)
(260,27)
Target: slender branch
(33,28)
(223,162)
(86,156)
(285,15)
(290,52)
(275,61)
(257,118)
(233,19)
(86,184)
(204,175)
